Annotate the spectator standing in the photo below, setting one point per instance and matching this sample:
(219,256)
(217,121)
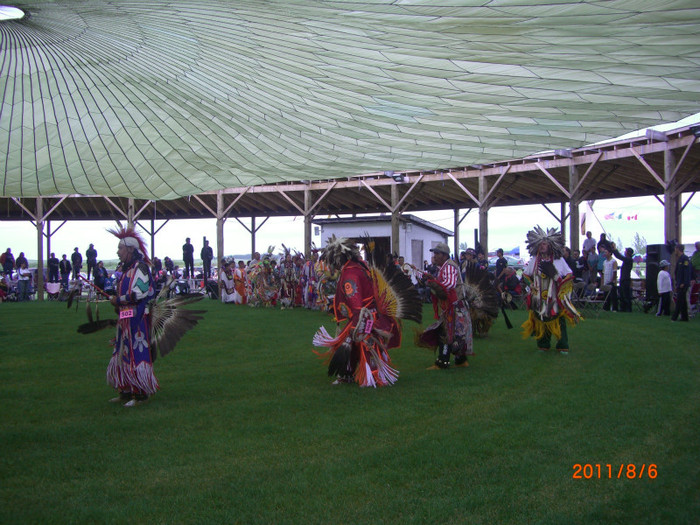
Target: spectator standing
(501,264)
(610,279)
(682,283)
(76,260)
(188,258)
(65,268)
(8,263)
(588,243)
(53,268)
(604,244)
(21,259)
(23,278)
(207,254)
(625,278)
(665,288)
(91,257)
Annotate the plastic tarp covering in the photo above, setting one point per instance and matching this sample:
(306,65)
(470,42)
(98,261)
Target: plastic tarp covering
(158,100)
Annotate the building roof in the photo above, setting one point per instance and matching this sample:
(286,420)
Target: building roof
(405,218)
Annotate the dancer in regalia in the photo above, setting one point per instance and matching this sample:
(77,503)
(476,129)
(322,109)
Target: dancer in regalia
(370,299)
(130,370)
(146,325)
(551,284)
(451,333)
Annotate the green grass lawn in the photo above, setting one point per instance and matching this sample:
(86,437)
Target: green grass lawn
(248,429)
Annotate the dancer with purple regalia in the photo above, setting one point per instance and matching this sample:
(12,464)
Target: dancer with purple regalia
(130,370)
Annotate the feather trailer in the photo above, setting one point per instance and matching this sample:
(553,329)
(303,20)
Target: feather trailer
(91,327)
(339,362)
(482,297)
(75,292)
(393,290)
(170,321)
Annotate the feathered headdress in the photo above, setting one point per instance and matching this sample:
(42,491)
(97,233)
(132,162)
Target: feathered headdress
(130,237)
(338,251)
(552,237)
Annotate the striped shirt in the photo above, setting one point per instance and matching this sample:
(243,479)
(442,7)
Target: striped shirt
(449,276)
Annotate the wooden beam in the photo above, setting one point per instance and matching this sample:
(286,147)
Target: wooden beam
(228,208)
(299,208)
(398,204)
(204,204)
(379,198)
(46,215)
(136,215)
(121,212)
(19,203)
(649,169)
(495,184)
(464,189)
(554,181)
(320,199)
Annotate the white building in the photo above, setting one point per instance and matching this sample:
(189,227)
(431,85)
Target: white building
(416,236)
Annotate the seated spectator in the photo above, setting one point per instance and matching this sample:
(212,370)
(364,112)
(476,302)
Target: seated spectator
(593,266)
(4,289)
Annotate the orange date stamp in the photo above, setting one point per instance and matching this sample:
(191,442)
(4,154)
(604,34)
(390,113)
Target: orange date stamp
(608,471)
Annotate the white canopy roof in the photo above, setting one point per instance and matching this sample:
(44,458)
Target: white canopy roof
(160,100)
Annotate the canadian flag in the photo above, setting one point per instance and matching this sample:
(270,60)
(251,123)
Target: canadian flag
(632,217)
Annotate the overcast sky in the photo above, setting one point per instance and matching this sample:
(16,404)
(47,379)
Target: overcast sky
(507,229)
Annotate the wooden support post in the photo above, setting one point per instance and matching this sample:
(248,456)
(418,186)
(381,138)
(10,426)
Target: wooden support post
(308,217)
(130,213)
(252,236)
(395,220)
(40,248)
(574,225)
(220,220)
(456,232)
(483,215)
(562,220)
(672,222)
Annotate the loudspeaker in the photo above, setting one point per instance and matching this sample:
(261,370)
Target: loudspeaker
(655,254)
(212,289)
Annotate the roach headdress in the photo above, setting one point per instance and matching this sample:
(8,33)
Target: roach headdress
(537,236)
(131,238)
(338,251)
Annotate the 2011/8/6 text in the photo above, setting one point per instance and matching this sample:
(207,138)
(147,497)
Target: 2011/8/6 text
(628,471)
